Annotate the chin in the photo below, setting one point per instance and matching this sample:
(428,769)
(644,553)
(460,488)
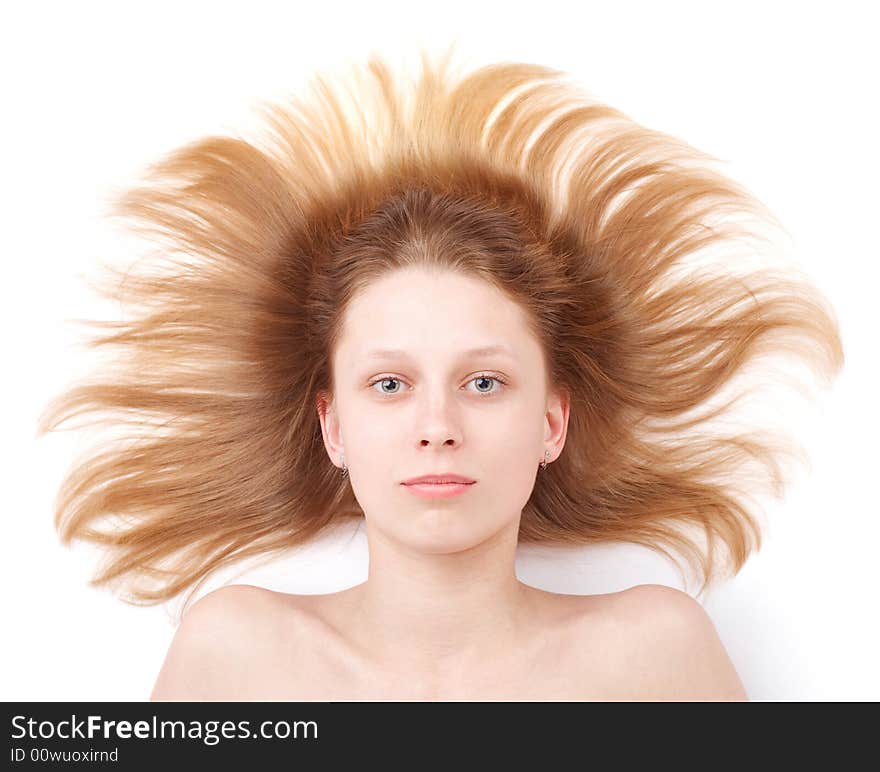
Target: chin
(439,532)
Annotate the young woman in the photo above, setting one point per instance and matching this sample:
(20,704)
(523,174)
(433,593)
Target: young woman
(472,315)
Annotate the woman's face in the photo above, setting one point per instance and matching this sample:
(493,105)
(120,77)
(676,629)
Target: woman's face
(435,408)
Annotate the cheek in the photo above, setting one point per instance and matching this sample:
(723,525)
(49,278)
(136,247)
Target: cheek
(509,469)
(508,458)
(372,441)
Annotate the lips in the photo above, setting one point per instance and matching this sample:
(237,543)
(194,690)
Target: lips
(439,479)
(433,488)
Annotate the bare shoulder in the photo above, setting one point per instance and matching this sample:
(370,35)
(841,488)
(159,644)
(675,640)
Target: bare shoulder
(220,631)
(229,612)
(672,649)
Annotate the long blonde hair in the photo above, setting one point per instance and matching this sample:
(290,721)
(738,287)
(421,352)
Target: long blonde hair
(591,222)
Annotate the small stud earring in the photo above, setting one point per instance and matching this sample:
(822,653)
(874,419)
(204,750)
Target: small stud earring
(344,468)
(543,464)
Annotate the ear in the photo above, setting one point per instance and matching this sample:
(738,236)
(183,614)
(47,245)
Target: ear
(330,427)
(556,422)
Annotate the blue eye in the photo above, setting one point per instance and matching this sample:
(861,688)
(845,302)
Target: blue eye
(486,378)
(385,380)
(483,378)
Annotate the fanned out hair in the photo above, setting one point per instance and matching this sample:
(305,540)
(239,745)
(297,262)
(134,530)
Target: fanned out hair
(599,228)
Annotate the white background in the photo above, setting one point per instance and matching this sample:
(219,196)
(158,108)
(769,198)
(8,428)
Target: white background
(784,93)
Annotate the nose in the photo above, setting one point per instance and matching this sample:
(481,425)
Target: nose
(438,424)
(448,441)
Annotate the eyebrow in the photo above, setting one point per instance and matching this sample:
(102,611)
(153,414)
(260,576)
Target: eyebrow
(387,353)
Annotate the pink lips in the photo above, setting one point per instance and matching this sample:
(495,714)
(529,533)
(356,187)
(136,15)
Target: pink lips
(437,490)
(434,486)
(444,477)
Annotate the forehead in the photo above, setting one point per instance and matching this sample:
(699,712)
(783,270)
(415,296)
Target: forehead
(412,308)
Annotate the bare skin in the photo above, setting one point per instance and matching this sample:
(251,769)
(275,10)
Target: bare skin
(247,643)
(536,662)
(442,614)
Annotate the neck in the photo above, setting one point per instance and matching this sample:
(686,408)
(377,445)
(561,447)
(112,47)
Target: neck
(441,612)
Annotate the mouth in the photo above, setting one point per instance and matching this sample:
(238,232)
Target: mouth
(440,479)
(438,489)
(436,482)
